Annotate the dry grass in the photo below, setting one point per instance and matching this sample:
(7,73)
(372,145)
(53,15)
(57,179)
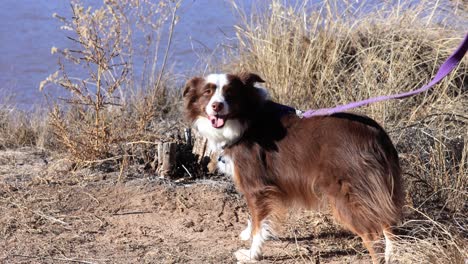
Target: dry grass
(313,59)
(340,52)
(115,100)
(332,54)
(431,241)
(21,128)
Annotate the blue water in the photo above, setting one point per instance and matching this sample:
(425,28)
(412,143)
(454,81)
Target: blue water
(28,31)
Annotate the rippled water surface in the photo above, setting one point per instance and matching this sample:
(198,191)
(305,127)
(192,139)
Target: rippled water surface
(28,31)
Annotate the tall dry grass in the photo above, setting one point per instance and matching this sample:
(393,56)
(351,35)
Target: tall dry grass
(314,56)
(19,128)
(334,55)
(115,87)
(428,240)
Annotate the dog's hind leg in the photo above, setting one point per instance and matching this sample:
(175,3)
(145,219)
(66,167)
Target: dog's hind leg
(351,216)
(389,237)
(373,244)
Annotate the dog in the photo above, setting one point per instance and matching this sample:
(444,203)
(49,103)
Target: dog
(279,160)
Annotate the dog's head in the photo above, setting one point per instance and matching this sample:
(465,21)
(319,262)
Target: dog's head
(219,105)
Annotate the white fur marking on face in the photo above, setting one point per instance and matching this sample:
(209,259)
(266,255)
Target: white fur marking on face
(220,80)
(220,137)
(233,129)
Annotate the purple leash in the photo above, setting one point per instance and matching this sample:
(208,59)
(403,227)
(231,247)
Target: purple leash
(444,70)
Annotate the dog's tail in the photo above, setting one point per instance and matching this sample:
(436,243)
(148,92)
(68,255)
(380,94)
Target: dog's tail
(371,195)
(378,190)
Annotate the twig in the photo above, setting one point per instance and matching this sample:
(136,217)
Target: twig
(133,212)
(104,160)
(169,42)
(178,200)
(51,218)
(60,259)
(142,142)
(41,214)
(91,196)
(183,166)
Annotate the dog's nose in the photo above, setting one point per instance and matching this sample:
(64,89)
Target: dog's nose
(217,106)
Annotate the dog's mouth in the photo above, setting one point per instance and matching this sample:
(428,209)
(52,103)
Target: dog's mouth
(217,121)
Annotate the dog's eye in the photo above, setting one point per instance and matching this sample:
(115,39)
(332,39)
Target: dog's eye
(208,92)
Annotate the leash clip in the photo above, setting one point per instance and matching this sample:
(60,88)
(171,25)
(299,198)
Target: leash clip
(299,113)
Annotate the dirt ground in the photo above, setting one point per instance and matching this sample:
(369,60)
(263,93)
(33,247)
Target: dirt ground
(49,215)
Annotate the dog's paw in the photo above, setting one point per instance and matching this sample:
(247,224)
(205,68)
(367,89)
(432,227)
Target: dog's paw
(243,256)
(245,234)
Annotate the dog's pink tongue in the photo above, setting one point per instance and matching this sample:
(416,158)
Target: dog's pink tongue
(217,122)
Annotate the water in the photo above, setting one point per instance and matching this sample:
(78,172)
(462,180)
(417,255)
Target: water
(28,31)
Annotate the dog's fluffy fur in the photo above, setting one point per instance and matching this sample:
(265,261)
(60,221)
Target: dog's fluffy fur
(278,160)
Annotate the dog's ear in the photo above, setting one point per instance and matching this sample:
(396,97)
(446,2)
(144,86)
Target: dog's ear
(250,78)
(191,85)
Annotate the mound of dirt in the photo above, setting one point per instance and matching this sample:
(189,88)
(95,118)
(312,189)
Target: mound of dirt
(89,218)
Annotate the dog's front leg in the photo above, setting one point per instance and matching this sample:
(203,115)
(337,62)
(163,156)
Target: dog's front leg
(247,232)
(258,229)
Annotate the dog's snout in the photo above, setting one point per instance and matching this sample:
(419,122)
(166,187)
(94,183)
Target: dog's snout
(217,106)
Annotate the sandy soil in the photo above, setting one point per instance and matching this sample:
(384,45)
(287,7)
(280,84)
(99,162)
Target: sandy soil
(51,215)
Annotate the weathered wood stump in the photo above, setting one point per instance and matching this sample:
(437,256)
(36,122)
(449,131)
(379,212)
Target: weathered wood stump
(204,155)
(166,158)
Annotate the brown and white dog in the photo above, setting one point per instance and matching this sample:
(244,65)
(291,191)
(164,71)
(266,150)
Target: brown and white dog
(279,160)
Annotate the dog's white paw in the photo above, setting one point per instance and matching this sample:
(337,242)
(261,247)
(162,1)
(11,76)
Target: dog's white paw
(244,256)
(245,234)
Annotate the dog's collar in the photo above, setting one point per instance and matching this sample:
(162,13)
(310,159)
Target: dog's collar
(221,158)
(280,110)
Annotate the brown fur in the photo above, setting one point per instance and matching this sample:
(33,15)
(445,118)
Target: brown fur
(344,159)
